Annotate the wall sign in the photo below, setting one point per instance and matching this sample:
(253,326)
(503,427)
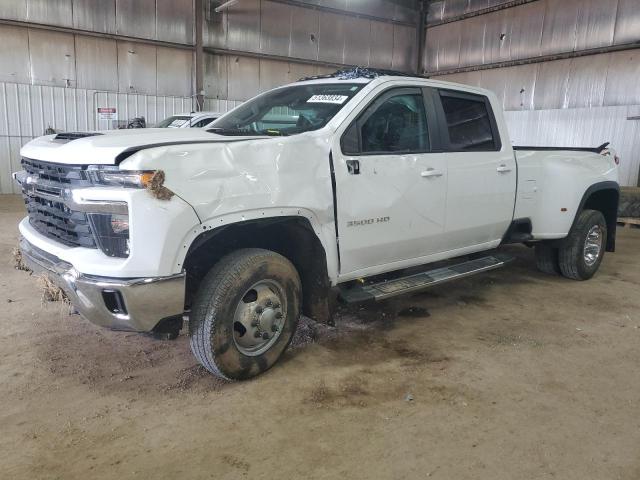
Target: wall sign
(107,113)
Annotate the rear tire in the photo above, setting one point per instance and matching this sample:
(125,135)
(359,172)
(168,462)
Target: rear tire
(547,259)
(583,250)
(245,313)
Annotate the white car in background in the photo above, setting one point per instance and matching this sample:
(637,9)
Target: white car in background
(189,120)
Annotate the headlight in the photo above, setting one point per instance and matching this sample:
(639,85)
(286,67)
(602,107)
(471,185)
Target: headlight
(114,177)
(111,232)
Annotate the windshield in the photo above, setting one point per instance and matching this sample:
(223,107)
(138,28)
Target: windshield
(175,121)
(287,111)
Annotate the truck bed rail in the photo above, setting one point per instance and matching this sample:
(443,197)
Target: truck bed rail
(598,149)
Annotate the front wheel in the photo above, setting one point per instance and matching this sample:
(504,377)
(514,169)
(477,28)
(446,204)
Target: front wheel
(581,255)
(245,313)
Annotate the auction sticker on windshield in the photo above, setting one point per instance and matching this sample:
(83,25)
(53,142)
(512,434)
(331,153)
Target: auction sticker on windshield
(337,99)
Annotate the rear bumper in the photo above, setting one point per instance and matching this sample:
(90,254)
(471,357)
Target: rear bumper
(135,304)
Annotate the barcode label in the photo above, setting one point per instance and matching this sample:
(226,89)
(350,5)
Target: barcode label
(337,99)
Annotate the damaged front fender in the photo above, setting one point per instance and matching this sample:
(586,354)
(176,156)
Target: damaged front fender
(236,181)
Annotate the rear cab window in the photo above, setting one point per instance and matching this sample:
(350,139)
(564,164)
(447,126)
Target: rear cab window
(468,122)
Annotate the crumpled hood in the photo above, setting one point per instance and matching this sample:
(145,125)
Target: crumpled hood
(104,147)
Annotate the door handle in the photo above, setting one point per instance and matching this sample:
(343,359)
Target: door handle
(503,169)
(353,167)
(431,172)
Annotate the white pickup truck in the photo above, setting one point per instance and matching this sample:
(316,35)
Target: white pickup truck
(333,184)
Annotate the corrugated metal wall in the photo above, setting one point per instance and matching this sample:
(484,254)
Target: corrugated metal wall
(255,45)
(273,28)
(543,27)
(441,11)
(164,20)
(401,10)
(239,77)
(53,78)
(582,126)
(604,79)
(28,110)
(579,101)
(42,57)
(239,35)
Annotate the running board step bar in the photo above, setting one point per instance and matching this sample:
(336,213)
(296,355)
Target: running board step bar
(422,280)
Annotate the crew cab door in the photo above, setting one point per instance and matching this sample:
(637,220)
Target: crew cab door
(390,190)
(481,183)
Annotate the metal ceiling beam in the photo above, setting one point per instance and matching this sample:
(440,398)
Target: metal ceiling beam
(322,8)
(225,5)
(484,11)
(544,58)
(88,33)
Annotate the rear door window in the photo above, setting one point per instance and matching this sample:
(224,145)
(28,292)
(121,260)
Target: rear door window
(470,124)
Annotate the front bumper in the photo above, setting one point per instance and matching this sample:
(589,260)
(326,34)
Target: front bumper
(136,304)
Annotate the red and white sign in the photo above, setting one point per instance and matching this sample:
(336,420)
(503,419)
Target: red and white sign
(107,113)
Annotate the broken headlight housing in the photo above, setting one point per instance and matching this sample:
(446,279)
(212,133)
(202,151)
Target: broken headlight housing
(110,224)
(111,232)
(114,177)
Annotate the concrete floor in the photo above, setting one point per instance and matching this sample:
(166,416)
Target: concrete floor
(509,375)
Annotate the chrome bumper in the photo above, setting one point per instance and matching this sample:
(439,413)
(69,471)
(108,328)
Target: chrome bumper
(136,304)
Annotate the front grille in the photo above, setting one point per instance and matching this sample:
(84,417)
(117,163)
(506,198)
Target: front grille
(47,211)
(56,174)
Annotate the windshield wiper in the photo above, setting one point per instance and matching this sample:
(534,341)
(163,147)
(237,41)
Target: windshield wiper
(231,131)
(273,132)
(269,132)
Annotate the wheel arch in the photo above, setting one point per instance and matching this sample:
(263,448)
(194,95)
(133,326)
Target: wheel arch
(603,197)
(291,236)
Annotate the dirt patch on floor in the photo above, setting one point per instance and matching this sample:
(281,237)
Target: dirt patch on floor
(511,374)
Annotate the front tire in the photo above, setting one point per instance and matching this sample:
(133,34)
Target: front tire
(245,313)
(583,250)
